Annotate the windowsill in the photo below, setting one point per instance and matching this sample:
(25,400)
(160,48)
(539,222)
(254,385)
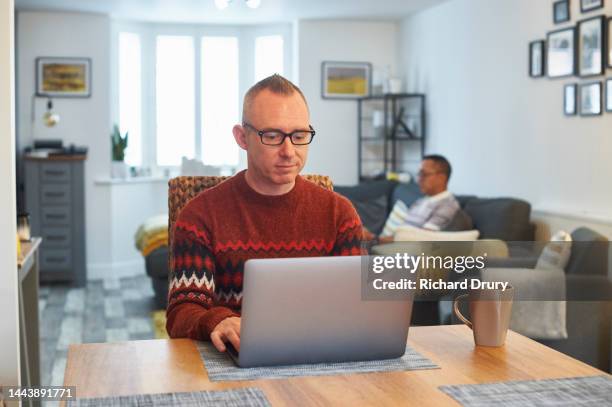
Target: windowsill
(130,180)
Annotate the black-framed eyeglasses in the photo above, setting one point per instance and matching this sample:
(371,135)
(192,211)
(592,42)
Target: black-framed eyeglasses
(275,137)
(423,174)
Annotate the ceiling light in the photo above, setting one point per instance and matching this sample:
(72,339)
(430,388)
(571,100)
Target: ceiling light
(222,4)
(253,3)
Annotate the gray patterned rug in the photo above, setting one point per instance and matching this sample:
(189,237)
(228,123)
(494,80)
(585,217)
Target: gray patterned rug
(221,367)
(242,397)
(575,391)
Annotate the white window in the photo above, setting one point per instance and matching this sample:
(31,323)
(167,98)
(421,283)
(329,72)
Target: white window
(175,99)
(130,91)
(269,56)
(219,100)
(179,88)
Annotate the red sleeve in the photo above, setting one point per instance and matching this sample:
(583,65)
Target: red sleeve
(349,235)
(192,311)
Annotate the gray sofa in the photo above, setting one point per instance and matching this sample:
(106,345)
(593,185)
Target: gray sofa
(507,219)
(588,279)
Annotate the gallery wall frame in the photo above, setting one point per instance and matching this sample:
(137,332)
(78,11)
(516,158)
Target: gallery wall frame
(561,53)
(590,5)
(590,43)
(537,58)
(570,92)
(590,99)
(561,11)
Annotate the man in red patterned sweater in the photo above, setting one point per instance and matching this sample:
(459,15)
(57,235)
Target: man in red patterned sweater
(266,211)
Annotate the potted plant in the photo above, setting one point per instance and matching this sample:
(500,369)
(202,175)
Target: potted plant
(119,143)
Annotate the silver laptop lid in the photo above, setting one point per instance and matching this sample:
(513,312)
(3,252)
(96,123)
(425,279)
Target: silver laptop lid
(310,310)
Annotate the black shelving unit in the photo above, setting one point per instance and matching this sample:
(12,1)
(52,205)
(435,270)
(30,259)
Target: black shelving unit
(392,134)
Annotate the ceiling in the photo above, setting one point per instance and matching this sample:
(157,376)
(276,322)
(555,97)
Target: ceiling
(204,11)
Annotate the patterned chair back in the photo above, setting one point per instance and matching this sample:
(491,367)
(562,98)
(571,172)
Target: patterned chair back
(183,189)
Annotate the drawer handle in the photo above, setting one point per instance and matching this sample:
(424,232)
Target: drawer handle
(55,172)
(56,237)
(55,194)
(55,216)
(55,259)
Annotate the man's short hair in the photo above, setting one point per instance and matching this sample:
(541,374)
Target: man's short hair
(274,83)
(442,164)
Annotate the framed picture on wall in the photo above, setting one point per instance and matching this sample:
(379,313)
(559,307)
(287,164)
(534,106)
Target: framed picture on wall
(537,60)
(63,77)
(561,11)
(560,52)
(569,99)
(345,80)
(591,46)
(609,50)
(590,99)
(608,95)
(590,5)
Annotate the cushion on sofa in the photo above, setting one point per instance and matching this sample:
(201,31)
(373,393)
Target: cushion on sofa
(501,218)
(460,221)
(407,233)
(407,193)
(371,200)
(557,252)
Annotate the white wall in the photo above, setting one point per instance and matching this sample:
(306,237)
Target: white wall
(334,149)
(505,133)
(84,121)
(9,326)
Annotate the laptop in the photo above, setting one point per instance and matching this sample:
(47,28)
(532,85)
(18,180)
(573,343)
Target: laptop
(310,310)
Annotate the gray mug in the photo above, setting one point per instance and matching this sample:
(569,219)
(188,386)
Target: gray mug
(490,311)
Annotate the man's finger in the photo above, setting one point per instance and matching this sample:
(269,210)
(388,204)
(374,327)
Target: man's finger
(234,339)
(215,338)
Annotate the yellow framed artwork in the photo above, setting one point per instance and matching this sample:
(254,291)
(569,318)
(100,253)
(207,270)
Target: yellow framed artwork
(63,77)
(345,80)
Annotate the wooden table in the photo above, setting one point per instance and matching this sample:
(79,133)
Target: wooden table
(29,338)
(159,366)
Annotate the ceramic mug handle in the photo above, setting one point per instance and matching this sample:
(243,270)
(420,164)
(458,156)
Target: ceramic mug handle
(458,313)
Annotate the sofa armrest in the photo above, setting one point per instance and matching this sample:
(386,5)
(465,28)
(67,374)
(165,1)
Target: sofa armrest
(156,263)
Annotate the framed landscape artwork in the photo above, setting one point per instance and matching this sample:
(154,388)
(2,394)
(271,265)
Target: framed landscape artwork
(63,77)
(561,11)
(560,53)
(569,99)
(536,59)
(590,99)
(345,80)
(591,46)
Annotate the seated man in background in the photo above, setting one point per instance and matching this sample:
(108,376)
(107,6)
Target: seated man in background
(266,211)
(432,212)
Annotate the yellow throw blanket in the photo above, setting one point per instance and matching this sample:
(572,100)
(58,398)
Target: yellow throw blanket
(152,234)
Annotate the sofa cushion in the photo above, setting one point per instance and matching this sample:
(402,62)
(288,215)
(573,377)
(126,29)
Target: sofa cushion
(407,193)
(556,253)
(371,200)
(461,221)
(500,218)
(589,253)
(372,212)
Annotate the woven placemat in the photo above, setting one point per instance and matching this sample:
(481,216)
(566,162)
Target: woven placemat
(221,367)
(242,397)
(574,391)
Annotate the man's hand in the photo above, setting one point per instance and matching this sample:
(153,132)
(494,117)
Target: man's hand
(385,239)
(226,330)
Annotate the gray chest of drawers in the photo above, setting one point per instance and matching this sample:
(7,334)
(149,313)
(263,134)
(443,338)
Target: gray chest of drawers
(55,199)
